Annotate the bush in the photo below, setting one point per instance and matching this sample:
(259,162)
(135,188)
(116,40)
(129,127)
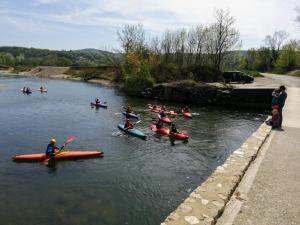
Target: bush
(135,83)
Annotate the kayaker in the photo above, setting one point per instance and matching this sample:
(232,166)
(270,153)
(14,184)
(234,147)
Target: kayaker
(24,89)
(185,109)
(128,125)
(41,88)
(97,101)
(162,113)
(128,109)
(52,149)
(28,90)
(159,124)
(173,129)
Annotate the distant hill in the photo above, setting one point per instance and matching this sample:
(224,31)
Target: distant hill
(44,57)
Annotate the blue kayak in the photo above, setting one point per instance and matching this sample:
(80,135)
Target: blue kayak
(133,132)
(130,115)
(98,105)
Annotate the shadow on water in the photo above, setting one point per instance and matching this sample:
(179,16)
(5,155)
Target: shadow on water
(137,182)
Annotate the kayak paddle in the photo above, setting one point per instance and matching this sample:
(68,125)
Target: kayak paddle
(69,140)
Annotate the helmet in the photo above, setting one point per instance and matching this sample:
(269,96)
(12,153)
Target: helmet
(52,141)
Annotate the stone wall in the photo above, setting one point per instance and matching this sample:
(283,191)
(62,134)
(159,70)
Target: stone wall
(202,93)
(207,202)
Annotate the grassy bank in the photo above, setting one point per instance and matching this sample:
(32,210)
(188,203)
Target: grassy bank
(88,73)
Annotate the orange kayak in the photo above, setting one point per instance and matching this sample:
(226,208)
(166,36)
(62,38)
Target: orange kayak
(60,156)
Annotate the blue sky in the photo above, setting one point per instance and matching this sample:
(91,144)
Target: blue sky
(77,24)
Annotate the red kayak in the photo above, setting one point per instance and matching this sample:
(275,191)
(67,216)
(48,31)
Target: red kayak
(187,114)
(179,136)
(60,156)
(162,131)
(166,131)
(164,119)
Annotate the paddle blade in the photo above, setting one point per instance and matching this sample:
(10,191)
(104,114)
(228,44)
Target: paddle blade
(185,132)
(46,161)
(70,139)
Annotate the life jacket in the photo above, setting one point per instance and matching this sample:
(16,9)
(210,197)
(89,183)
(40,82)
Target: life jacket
(162,115)
(128,125)
(51,149)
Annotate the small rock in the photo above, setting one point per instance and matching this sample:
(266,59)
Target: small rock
(190,200)
(191,219)
(204,201)
(222,196)
(194,195)
(209,221)
(173,216)
(185,208)
(219,185)
(218,204)
(220,168)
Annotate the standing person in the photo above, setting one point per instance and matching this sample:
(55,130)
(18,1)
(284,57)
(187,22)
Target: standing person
(275,95)
(280,102)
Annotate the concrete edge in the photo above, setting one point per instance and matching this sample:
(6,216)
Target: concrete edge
(207,202)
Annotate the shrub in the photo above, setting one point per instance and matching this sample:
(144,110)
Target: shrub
(135,83)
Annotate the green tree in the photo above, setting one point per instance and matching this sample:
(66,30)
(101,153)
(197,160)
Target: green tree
(288,58)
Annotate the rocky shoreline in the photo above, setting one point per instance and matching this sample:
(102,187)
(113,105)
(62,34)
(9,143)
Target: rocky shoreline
(211,94)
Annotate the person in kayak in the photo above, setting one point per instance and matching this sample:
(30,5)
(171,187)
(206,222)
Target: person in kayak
(128,109)
(173,129)
(52,149)
(41,88)
(162,114)
(28,90)
(97,101)
(24,89)
(159,124)
(185,109)
(128,125)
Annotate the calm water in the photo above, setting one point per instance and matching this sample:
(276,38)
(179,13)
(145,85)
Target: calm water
(136,183)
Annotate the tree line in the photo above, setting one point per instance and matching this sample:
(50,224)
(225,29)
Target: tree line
(31,57)
(199,53)
(279,54)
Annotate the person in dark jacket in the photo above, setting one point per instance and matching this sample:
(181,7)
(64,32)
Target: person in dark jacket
(280,102)
(52,149)
(275,95)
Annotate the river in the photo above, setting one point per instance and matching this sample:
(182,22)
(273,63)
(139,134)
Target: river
(137,182)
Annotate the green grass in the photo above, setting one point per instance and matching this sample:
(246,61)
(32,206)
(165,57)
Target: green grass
(88,73)
(188,82)
(296,73)
(253,73)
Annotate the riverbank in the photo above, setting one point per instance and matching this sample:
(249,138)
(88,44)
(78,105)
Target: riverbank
(61,73)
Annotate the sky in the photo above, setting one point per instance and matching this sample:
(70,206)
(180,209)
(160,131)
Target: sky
(78,24)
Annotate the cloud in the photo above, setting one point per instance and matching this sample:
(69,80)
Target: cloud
(254,18)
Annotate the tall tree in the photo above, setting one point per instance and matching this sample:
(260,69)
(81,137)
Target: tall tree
(275,41)
(132,38)
(224,37)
